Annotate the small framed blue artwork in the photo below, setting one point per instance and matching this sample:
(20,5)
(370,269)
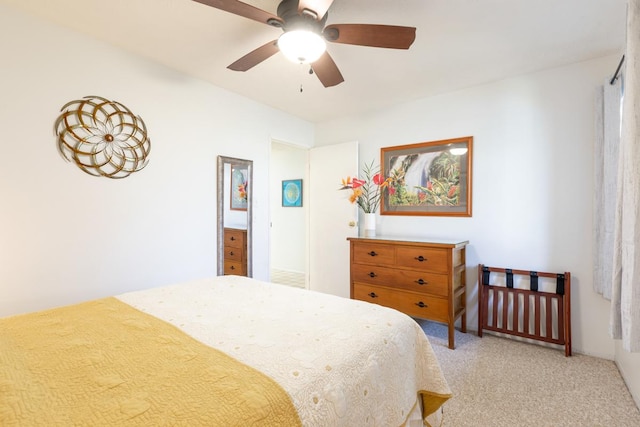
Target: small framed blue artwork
(292,193)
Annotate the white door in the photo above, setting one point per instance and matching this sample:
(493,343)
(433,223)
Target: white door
(332,218)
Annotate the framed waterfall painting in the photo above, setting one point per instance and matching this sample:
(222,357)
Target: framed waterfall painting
(428,178)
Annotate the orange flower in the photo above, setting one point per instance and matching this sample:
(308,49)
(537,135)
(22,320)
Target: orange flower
(346,183)
(354,196)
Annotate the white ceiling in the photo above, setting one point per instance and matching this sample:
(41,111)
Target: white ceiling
(459,43)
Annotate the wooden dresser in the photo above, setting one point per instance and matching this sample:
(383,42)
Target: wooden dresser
(235,251)
(421,278)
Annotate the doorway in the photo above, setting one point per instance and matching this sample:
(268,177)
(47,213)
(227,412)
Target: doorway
(311,240)
(288,221)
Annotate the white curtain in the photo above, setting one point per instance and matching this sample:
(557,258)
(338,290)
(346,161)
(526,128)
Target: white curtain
(608,104)
(625,291)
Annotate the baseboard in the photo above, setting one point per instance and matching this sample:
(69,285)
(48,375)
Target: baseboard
(625,376)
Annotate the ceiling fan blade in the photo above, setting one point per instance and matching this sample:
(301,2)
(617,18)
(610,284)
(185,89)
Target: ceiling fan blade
(327,71)
(242,9)
(318,7)
(255,57)
(388,36)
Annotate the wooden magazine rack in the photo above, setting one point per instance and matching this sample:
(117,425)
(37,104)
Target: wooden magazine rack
(526,313)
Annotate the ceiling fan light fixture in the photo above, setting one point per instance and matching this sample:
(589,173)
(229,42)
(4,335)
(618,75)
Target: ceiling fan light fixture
(302,46)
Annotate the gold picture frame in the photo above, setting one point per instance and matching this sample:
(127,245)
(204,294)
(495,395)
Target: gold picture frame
(428,178)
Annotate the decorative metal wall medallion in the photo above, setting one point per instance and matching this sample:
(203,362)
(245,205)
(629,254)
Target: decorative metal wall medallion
(102,137)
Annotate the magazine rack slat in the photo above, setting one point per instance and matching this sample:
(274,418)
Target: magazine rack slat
(526,313)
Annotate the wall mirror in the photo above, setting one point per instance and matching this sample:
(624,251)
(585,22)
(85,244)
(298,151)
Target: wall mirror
(234,198)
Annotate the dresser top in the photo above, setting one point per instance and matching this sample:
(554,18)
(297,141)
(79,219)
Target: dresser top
(422,240)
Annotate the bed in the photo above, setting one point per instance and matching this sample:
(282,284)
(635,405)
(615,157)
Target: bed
(223,351)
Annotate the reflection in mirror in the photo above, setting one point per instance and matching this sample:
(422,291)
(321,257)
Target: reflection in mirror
(234,198)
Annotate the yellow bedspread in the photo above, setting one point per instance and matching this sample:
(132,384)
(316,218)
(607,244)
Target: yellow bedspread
(106,363)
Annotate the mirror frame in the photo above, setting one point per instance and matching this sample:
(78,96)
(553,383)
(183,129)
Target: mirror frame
(220,205)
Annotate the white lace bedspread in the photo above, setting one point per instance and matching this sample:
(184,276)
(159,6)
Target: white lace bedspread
(343,362)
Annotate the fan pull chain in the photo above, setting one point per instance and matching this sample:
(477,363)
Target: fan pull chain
(310,73)
(301,89)
(301,74)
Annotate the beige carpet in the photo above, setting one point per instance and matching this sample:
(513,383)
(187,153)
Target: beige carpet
(501,382)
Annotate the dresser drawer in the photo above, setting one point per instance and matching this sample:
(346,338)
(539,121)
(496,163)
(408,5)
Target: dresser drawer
(232,254)
(372,253)
(373,274)
(423,306)
(374,294)
(234,238)
(417,281)
(232,267)
(427,259)
(413,304)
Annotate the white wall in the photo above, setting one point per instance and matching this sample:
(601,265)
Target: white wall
(532,178)
(66,236)
(288,224)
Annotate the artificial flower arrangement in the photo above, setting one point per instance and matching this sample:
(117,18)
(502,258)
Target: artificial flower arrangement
(242,191)
(366,192)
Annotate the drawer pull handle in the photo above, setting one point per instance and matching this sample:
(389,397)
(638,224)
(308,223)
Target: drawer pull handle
(420,258)
(373,295)
(421,304)
(232,238)
(372,253)
(372,274)
(231,253)
(233,267)
(421,282)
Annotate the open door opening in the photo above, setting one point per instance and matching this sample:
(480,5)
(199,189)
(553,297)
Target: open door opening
(288,214)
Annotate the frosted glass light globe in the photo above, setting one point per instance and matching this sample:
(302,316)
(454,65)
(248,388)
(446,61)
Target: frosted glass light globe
(302,46)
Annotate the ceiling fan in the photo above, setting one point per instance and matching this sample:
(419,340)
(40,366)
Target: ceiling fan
(306,19)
